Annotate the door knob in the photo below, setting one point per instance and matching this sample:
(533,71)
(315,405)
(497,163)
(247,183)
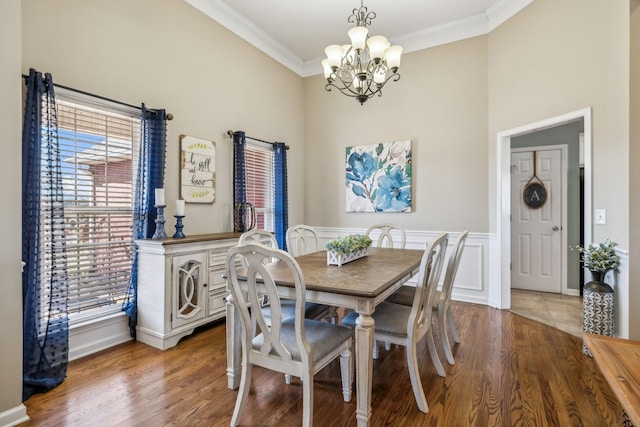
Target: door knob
(555,228)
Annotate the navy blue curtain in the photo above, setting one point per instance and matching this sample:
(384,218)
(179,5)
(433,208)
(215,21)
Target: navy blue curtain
(281,193)
(44,278)
(150,175)
(239,181)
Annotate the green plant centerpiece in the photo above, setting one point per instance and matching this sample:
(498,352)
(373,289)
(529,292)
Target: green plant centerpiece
(346,249)
(599,258)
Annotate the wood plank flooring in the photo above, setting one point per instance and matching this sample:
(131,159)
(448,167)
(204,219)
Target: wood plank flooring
(509,371)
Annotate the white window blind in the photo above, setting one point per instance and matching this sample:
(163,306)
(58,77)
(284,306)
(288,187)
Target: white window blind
(98,152)
(260,184)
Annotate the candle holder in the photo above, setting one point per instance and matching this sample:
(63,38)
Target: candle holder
(160,234)
(179,234)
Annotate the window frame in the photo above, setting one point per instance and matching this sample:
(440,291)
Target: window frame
(266,210)
(105,107)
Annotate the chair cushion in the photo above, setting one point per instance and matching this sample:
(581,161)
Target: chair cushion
(405,294)
(390,318)
(312,310)
(323,337)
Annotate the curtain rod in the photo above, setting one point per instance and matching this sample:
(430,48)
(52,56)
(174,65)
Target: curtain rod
(82,92)
(231,133)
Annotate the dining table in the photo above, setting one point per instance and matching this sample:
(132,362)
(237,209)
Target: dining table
(618,361)
(359,285)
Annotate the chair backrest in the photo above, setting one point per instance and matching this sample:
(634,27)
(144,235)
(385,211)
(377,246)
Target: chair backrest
(302,240)
(261,237)
(452,267)
(259,281)
(428,276)
(385,236)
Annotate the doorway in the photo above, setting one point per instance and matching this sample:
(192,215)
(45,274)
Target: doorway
(500,271)
(538,218)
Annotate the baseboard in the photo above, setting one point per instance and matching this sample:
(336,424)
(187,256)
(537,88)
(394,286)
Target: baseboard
(14,416)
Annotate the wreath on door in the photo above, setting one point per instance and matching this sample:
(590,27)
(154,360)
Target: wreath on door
(535,193)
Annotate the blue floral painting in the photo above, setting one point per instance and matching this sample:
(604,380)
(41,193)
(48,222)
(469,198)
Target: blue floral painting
(379,177)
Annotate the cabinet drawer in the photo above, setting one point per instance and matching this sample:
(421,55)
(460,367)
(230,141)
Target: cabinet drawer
(217,304)
(218,256)
(216,281)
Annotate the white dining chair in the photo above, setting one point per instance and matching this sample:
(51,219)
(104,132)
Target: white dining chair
(266,238)
(301,240)
(441,300)
(406,325)
(295,345)
(384,236)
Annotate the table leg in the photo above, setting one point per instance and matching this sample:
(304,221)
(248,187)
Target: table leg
(233,345)
(364,367)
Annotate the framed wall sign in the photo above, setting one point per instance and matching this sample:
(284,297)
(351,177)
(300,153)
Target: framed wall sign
(197,170)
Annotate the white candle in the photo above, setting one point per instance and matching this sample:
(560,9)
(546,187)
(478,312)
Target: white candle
(180,207)
(160,197)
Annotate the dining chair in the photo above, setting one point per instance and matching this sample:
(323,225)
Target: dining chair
(266,238)
(293,345)
(441,300)
(406,325)
(384,233)
(301,240)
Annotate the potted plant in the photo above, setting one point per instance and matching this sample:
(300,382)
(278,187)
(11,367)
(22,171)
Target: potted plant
(347,249)
(597,302)
(599,259)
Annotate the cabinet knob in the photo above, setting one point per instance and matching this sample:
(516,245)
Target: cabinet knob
(204,285)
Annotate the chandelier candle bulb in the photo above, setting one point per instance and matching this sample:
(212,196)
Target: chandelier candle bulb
(358,36)
(180,207)
(159,197)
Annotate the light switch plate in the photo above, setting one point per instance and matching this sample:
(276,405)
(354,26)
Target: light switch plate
(601,216)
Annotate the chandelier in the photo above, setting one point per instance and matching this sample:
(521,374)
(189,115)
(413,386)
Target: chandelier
(360,70)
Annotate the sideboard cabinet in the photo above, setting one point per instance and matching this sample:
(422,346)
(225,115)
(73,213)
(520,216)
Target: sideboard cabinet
(180,285)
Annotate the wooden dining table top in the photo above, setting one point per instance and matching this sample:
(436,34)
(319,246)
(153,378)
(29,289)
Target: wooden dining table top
(365,277)
(619,362)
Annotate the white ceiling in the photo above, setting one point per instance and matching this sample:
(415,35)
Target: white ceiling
(295,32)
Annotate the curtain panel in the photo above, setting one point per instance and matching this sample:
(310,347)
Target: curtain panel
(239,182)
(149,176)
(281,208)
(44,277)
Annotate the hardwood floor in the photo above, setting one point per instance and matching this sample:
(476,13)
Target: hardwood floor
(509,371)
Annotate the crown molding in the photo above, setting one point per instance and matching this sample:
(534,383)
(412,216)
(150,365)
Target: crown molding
(473,26)
(247,30)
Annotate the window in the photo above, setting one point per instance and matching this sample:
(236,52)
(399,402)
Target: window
(98,149)
(260,184)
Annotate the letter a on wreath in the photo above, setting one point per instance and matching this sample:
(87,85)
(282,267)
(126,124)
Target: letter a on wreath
(534,194)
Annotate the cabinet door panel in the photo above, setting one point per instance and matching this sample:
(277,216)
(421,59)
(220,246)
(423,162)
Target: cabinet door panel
(189,289)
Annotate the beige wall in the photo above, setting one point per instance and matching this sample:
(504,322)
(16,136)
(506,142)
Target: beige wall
(558,57)
(10,211)
(169,55)
(550,59)
(440,104)
(634,170)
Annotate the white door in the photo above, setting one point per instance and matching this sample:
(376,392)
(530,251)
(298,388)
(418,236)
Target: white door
(536,237)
